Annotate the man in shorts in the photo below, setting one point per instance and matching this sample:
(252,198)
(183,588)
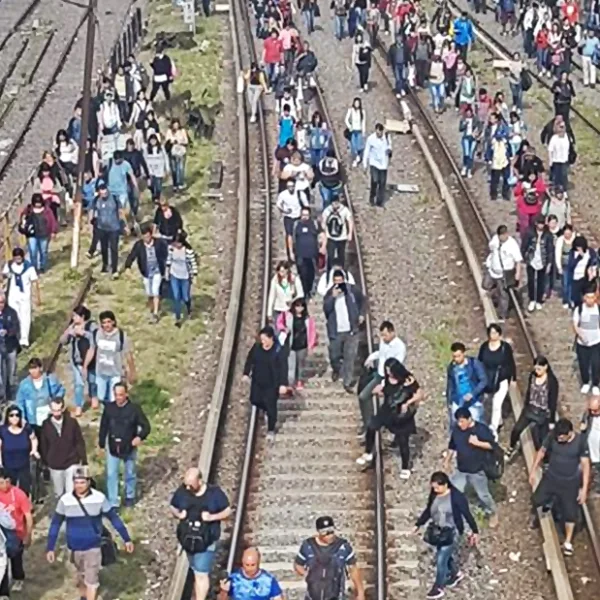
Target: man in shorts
(83,511)
(151,255)
(565,484)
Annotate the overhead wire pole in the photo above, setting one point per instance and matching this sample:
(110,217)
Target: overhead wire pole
(85,117)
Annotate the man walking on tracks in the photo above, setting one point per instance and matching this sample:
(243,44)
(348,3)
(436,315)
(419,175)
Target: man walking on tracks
(323,561)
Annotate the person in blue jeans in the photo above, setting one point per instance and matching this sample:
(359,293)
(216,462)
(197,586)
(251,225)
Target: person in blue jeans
(355,130)
(195,500)
(182,267)
(447,509)
(470,128)
(78,337)
(39,225)
(123,429)
(397,58)
(466,381)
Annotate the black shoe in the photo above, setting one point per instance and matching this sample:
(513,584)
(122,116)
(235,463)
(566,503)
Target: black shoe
(435,592)
(335,376)
(178,324)
(349,389)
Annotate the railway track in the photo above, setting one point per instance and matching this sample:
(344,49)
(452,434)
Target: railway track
(520,330)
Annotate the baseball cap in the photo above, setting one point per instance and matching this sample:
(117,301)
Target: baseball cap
(324,523)
(81,472)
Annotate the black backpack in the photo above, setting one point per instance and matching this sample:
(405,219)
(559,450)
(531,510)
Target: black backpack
(493,465)
(193,534)
(335,225)
(326,573)
(526,81)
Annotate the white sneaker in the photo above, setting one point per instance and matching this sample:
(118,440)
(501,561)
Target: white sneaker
(566,306)
(253,119)
(405,474)
(403,93)
(463,171)
(17,585)
(538,306)
(585,388)
(364,460)
(596,391)
(568,549)
(531,306)
(271,437)
(366,88)
(469,174)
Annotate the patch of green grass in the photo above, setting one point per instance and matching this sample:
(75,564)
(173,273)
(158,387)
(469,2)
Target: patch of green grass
(440,337)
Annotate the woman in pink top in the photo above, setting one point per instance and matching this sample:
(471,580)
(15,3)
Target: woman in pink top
(288,38)
(449,57)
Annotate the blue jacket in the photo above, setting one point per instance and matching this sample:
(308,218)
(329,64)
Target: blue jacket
(28,397)
(478,378)
(463,31)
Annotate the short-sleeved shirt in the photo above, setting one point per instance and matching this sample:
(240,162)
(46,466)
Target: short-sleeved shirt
(343,552)
(28,275)
(17,503)
(15,447)
(118,178)
(470,459)
(261,587)
(565,458)
(212,500)
(109,353)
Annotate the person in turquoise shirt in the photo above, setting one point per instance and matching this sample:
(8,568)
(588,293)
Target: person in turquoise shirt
(250,582)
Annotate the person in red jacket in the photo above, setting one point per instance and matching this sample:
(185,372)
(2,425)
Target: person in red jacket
(530,195)
(272,57)
(570,11)
(541,48)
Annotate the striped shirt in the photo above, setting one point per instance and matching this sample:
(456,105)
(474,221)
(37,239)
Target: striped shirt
(84,532)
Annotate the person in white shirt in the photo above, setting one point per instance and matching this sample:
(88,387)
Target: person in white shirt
(503,268)
(390,346)
(339,227)
(284,289)
(326,279)
(21,274)
(289,205)
(558,157)
(302,173)
(355,130)
(376,157)
(586,324)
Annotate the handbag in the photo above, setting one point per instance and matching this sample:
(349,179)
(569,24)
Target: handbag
(347,133)
(108,547)
(536,415)
(438,536)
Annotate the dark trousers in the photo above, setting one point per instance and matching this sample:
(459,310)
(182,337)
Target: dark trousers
(306,271)
(16,568)
(109,242)
(536,284)
(400,439)
(363,74)
(588,358)
(271,410)
(421,71)
(95,241)
(559,174)
(157,86)
(496,176)
(206,7)
(21,478)
(563,109)
(378,183)
(538,431)
(336,253)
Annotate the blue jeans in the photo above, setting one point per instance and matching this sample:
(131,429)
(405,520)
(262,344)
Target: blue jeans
(542,59)
(446,564)
(113,464)
(178,170)
(156,187)
(559,174)
(400,78)
(339,25)
(133,197)
(517,95)
(468,143)
(79,385)
(328,195)
(437,95)
(180,290)
(271,72)
(104,387)
(38,252)
(357,143)
(567,287)
(316,155)
(309,20)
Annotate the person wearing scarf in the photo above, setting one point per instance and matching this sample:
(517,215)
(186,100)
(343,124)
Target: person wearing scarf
(20,274)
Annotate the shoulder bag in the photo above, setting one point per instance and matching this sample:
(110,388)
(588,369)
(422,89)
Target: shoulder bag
(438,536)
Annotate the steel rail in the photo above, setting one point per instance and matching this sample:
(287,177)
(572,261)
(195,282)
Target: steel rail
(209,439)
(22,18)
(13,65)
(496,47)
(38,62)
(559,571)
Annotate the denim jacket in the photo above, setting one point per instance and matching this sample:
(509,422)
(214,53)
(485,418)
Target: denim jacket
(29,398)
(478,379)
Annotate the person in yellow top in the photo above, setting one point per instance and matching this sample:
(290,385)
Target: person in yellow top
(256,84)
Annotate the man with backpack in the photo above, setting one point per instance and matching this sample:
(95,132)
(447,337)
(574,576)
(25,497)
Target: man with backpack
(329,178)
(123,428)
(83,510)
(113,356)
(339,227)
(323,560)
(470,442)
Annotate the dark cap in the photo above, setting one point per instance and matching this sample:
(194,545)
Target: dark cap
(101,185)
(324,523)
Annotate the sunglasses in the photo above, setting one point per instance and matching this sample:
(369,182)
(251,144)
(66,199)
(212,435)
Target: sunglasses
(14,415)
(325,532)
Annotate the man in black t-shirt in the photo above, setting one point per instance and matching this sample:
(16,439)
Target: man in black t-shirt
(568,469)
